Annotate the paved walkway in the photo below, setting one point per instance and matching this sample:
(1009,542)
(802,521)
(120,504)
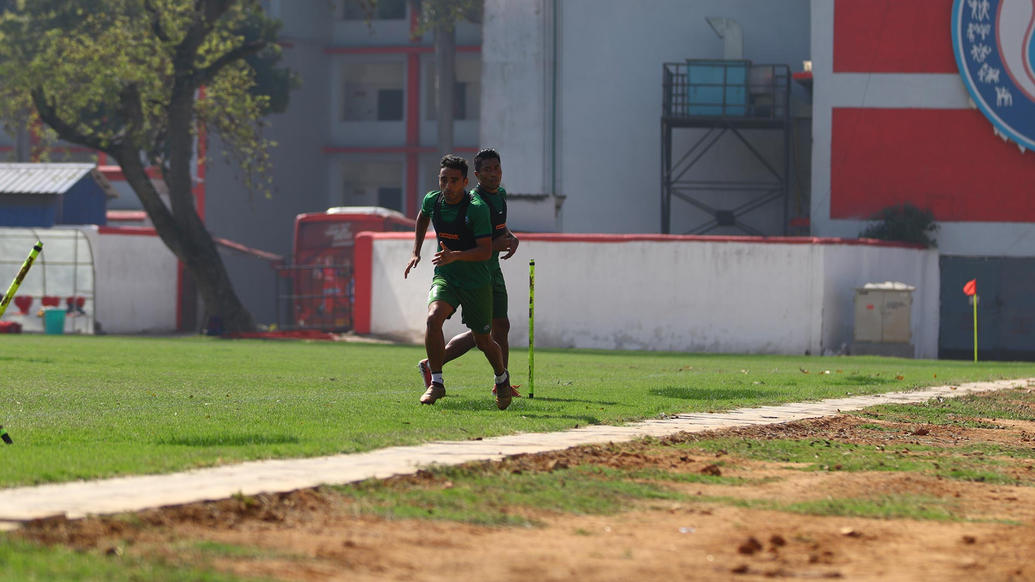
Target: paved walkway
(81,498)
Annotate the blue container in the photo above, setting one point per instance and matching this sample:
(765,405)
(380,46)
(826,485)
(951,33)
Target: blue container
(717,88)
(54,321)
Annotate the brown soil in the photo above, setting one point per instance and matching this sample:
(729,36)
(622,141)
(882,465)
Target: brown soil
(316,534)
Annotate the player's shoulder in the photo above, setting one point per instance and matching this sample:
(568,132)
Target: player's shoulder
(476,199)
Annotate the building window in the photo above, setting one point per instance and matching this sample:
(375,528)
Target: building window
(372,9)
(367,182)
(466,93)
(373,92)
(389,104)
(390,197)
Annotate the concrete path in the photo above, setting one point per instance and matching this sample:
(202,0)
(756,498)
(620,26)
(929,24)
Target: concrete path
(82,498)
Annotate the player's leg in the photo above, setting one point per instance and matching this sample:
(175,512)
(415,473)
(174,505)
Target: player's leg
(477,316)
(434,340)
(501,334)
(500,321)
(459,345)
(442,303)
(501,384)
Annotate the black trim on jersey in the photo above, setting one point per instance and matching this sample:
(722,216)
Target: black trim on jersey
(458,233)
(497,216)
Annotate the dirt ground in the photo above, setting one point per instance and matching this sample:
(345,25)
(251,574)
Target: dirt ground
(315,534)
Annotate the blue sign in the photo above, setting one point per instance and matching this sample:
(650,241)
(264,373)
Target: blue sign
(992,41)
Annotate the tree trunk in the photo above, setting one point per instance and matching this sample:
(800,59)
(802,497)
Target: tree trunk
(445,81)
(180,227)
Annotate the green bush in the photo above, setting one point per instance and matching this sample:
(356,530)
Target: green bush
(903,223)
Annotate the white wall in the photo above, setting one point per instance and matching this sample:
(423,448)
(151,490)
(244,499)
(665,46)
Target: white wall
(847,268)
(136,279)
(676,293)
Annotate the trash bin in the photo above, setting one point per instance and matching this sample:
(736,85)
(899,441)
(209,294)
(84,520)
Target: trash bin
(54,321)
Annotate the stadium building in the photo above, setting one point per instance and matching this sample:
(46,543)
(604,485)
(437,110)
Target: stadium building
(714,117)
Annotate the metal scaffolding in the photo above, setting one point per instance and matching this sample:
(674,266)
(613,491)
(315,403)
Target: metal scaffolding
(725,98)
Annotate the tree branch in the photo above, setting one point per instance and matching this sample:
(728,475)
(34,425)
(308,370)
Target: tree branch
(156,21)
(204,76)
(68,132)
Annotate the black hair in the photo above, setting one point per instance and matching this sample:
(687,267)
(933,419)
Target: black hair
(486,154)
(455,162)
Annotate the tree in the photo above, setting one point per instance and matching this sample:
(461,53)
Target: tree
(441,16)
(125,77)
(903,223)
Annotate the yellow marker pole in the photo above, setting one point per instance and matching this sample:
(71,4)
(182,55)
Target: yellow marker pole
(974,299)
(21,275)
(7,301)
(531,328)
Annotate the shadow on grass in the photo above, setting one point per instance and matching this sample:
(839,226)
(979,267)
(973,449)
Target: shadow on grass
(489,403)
(582,419)
(235,440)
(30,360)
(551,399)
(858,380)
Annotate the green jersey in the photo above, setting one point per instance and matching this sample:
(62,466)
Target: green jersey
(460,225)
(497,203)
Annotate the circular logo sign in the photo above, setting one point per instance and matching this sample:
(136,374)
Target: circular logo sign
(992,41)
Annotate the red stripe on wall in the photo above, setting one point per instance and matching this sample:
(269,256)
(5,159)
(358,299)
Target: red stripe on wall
(362,272)
(671,238)
(947,160)
(893,36)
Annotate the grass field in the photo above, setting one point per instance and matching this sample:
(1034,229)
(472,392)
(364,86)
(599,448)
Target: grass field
(86,407)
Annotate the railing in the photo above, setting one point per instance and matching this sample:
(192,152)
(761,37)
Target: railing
(725,89)
(315,297)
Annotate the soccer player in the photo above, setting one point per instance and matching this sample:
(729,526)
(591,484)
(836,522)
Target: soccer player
(489,172)
(462,279)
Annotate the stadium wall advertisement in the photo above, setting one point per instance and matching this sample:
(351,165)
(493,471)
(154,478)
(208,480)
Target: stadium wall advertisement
(656,292)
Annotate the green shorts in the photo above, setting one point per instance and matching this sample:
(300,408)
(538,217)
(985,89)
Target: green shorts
(475,304)
(499,294)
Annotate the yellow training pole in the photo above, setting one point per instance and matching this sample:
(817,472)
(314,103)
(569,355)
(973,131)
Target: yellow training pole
(21,275)
(975,299)
(531,328)
(7,301)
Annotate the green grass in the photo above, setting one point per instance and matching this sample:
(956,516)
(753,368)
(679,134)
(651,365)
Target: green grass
(897,506)
(21,561)
(969,411)
(480,495)
(86,407)
(962,463)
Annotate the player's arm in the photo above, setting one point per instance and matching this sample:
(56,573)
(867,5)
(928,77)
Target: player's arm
(511,244)
(420,229)
(481,252)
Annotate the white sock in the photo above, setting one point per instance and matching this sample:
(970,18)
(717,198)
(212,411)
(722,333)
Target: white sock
(436,377)
(502,377)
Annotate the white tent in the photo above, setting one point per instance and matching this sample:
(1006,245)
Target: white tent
(62,277)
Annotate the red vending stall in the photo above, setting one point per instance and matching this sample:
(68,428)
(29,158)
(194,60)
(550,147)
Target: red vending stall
(322,287)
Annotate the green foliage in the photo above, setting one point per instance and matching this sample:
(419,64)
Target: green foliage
(446,13)
(903,223)
(108,72)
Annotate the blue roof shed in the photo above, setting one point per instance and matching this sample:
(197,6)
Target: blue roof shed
(44,195)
